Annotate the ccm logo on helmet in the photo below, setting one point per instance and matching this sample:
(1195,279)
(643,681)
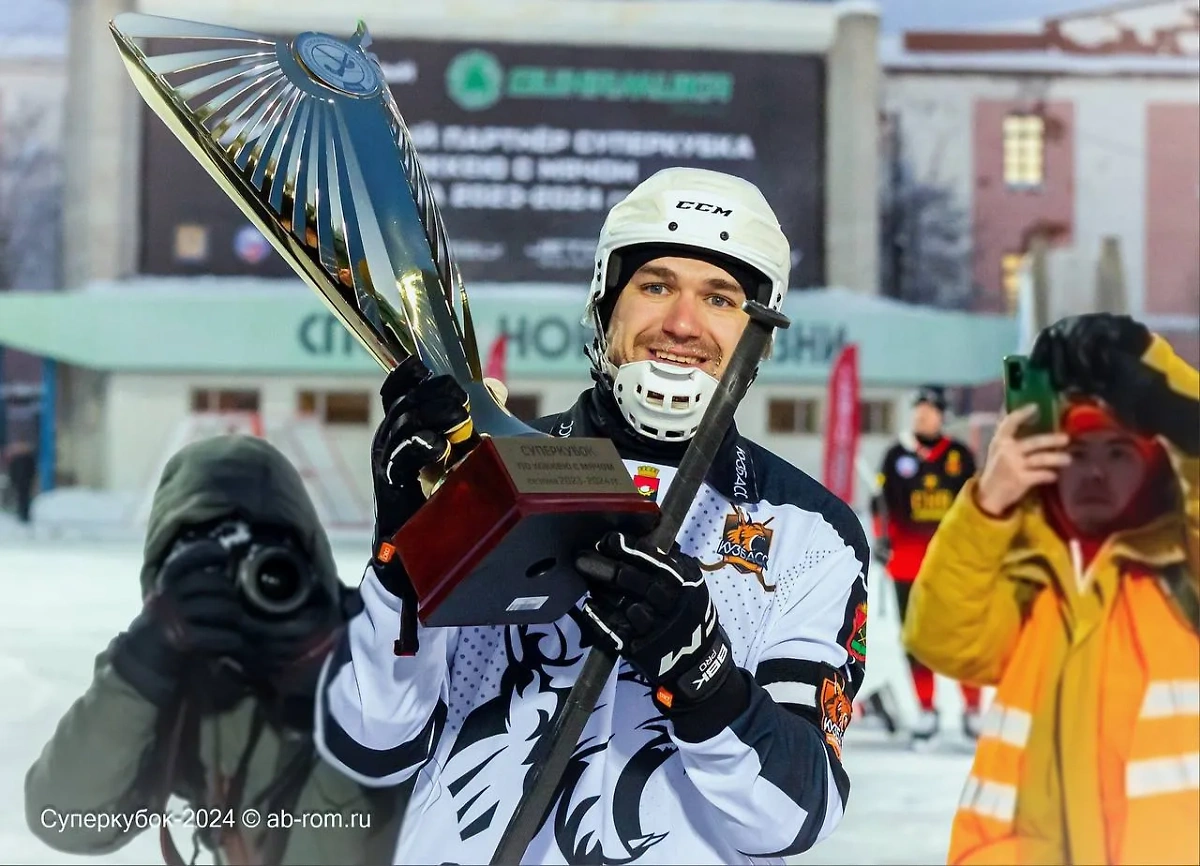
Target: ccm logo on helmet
(703,207)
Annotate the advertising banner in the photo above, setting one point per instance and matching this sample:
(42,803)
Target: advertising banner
(528,146)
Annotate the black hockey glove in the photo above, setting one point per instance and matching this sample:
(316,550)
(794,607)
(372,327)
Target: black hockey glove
(425,416)
(194,613)
(1100,355)
(424,413)
(655,610)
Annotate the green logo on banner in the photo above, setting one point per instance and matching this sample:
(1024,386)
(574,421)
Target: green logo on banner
(475,80)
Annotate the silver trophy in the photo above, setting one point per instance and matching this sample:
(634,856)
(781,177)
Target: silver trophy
(305,137)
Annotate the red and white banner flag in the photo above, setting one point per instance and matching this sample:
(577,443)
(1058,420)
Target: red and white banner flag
(841,429)
(496,357)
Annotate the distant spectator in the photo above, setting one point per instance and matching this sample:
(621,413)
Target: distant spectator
(22,465)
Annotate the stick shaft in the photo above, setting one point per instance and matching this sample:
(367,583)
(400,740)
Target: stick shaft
(558,744)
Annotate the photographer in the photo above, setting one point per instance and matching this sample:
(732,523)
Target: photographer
(208,695)
(1067,576)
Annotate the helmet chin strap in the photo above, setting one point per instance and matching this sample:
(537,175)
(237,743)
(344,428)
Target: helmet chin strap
(661,401)
(657,401)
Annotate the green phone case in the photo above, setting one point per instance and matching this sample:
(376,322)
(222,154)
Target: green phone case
(1025,384)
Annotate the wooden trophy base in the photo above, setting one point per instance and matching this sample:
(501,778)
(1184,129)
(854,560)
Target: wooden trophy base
(496,543)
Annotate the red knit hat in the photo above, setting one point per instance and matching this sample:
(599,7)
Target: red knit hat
(1082,416)
(1088,416)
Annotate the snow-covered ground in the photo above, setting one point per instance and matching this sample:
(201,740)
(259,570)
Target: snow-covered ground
(66,594)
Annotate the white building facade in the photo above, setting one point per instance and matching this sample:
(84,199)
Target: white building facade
(1084,129)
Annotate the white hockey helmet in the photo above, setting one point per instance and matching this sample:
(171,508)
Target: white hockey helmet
(696,209)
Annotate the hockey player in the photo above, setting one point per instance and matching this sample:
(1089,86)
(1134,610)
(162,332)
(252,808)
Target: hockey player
(919,478)
(740,764)
(1068,576)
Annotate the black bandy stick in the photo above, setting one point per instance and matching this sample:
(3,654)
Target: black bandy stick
(559,742)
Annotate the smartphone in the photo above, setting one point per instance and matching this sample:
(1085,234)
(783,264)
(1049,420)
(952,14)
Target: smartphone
(1024,384)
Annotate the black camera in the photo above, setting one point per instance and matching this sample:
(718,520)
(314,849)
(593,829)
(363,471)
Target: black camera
(273,577)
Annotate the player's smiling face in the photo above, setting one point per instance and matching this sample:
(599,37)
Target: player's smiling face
(678,311)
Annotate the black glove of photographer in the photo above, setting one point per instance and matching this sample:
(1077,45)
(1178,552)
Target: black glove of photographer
(283,645)
(1100,355)
(286,652)
(655,610)
(194,612)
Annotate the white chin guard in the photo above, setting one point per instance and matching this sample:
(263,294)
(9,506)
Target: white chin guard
(662,401)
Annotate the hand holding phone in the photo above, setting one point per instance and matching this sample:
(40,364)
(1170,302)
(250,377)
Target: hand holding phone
(1017,464)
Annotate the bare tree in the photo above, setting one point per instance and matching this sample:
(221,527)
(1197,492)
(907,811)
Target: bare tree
(31,200)
(926,255)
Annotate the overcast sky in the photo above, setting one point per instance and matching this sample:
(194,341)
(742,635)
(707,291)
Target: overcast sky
(44,17)
(33,17)
(930,14)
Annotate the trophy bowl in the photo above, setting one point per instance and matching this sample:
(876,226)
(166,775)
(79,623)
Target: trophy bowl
(305,137)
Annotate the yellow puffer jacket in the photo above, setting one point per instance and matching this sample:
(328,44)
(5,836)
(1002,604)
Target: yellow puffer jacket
(1091,749)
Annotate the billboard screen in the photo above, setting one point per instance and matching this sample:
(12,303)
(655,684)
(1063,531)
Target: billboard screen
(528,147)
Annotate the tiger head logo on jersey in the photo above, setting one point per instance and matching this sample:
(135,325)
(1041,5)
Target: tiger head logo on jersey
(836,711)
(746,545)
(953,463)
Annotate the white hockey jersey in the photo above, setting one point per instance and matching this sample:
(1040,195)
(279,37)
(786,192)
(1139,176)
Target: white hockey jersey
(786,565)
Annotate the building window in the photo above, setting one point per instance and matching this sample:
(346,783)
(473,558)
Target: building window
(1010,278)
(347,407)
(526,407)
(335,407)
(306,404)
(221,400)
(875,417)
(1024,150)
(792,416)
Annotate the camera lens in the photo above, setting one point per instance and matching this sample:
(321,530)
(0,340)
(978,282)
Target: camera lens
(274,580)
(278,580)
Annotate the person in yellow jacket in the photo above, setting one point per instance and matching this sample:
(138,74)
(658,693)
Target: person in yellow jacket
(1066,575)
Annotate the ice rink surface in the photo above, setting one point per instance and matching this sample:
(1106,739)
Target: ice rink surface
(65,598)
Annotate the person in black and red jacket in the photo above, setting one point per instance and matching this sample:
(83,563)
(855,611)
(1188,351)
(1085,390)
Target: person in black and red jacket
(919,478)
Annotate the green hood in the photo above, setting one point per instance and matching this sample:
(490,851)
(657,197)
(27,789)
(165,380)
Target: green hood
(233,476)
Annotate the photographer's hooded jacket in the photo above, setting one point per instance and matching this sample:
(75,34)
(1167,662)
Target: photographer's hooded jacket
(110,751)
(785,563)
